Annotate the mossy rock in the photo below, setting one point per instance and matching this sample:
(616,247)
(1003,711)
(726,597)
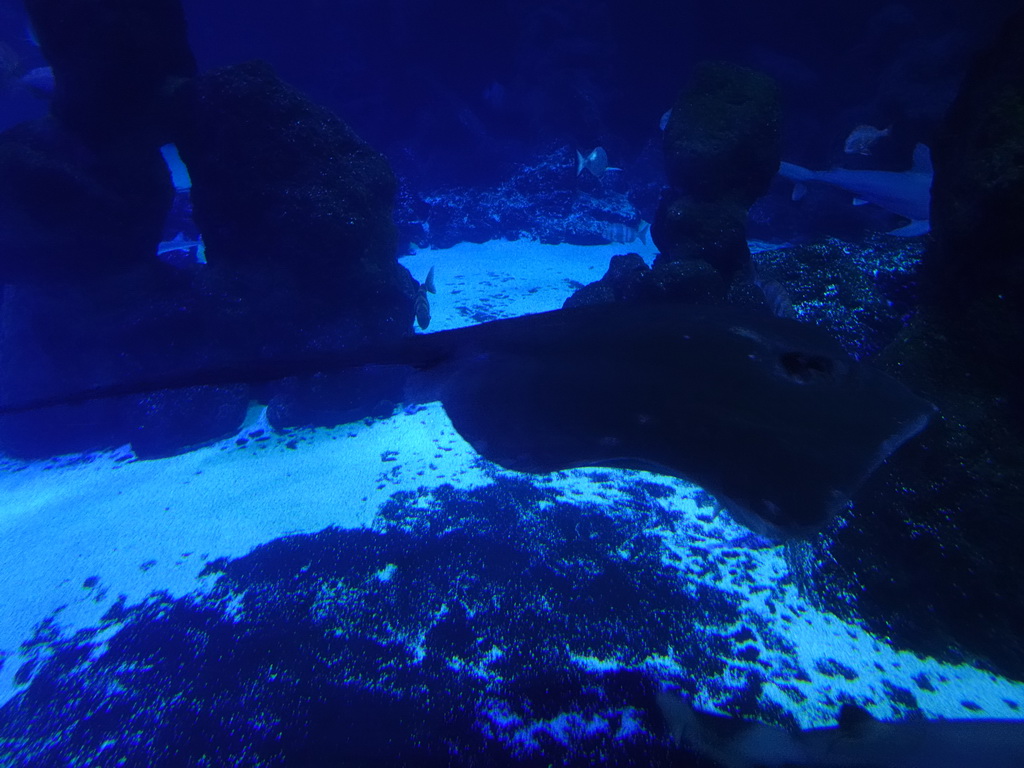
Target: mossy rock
(723,139)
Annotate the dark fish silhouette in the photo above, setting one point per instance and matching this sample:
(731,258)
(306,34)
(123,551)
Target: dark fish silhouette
(421,306)
(768,414)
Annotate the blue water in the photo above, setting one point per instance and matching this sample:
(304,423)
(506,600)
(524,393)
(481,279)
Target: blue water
(320,571)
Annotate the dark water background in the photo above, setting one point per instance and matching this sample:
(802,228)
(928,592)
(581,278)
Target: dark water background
(298,655)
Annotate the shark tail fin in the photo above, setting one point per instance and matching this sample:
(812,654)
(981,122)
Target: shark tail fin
(428,284)
(581,162)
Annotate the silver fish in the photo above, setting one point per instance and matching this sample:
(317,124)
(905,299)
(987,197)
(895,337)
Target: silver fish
(862,138)
(776,297)
(617,232)
(596,162)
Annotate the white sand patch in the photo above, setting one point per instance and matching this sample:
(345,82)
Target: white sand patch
(478,282)
(138,527)
(141,527)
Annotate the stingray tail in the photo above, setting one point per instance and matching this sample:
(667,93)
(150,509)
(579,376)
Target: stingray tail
(421,352)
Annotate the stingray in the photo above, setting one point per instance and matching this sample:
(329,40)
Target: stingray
(768,414)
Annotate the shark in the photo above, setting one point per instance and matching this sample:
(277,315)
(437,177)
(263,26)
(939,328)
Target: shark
(768,414)
(857,741)
(905,193)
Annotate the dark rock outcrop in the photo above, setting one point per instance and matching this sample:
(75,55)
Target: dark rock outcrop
(630,279)
(113,61)
(722,146)
(544,200)
(296,214)
(68,212)
(295,211)
(863,292)
(932,553)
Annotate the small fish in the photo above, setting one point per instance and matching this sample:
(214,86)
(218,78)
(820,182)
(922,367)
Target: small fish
(617,232)
(180,243)
(776,297)
(422,302)
(177,168)
(862,138)
(596,162)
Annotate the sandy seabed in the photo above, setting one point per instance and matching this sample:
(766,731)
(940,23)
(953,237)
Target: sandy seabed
(78,533)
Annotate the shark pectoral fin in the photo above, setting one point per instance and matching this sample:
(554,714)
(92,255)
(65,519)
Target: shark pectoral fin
(799,191)
(859,201)
(913,229)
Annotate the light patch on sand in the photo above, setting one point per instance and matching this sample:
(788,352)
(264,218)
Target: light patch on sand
(140,527)
(136,527)
(479,282)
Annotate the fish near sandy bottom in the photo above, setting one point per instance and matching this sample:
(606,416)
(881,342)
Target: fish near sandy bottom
(421,304)
(768,414)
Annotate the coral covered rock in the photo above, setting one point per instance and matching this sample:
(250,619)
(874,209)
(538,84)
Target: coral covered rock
(722,145)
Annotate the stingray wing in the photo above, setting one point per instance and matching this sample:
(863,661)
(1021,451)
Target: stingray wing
(767,413)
